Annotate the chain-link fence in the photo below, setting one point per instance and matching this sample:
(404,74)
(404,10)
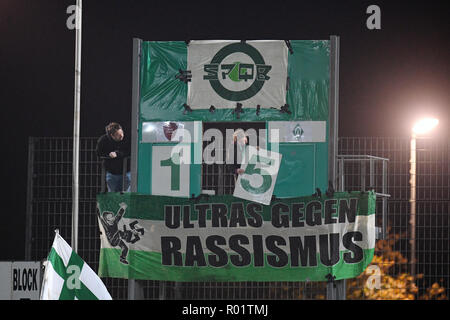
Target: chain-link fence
(395,254)
(362,165)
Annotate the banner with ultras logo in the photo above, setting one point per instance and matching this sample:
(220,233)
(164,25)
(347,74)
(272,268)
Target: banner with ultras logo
(223,238)
(227,72)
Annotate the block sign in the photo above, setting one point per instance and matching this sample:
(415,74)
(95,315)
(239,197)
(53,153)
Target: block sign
(20,280)
(259,177)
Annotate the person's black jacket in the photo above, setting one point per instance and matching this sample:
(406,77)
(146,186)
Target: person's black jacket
(105,145)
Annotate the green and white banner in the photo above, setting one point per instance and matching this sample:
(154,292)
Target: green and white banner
(68,277)
(226,72)
(223,238)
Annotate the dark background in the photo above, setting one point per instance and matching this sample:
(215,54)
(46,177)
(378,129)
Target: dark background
(388,77)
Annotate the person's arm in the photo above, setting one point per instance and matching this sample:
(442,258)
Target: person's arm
(125,149)
(101,149)
(233,168)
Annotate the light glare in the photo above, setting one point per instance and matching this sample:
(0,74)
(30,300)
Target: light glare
(425,125)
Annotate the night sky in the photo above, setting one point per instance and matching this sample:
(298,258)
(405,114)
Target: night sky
(388,77)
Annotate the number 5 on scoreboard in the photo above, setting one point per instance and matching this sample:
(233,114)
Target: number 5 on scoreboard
(259,177)
(170,174)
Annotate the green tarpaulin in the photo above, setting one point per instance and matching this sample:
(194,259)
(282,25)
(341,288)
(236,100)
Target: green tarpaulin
(163,95)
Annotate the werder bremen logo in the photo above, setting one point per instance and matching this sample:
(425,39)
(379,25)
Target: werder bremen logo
(247,68)
(298,132)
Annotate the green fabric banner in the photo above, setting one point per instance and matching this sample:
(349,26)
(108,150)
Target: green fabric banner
(223,238)
(163,94)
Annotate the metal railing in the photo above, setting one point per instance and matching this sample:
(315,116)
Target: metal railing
(371,177)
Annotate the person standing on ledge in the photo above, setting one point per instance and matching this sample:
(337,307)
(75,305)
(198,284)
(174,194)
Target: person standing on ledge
(113,148)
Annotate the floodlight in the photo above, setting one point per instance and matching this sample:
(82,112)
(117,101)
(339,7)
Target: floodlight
(425,125)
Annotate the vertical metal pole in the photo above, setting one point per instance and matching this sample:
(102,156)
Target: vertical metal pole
(336,290)
(342,175)
(29,212)
(363,175)
(124,173)
(384,201)
(220,178)
(134,288)
(371,174)
(135,112)
(163,288)
(333,110)
(76,127)
(412,200)
(103,182)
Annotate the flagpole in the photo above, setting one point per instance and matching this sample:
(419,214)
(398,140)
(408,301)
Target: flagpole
(76,127)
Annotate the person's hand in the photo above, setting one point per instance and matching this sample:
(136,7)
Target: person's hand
(123,205)
(240,171)
(112,155)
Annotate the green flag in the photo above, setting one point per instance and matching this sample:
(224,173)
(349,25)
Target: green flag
(68,277)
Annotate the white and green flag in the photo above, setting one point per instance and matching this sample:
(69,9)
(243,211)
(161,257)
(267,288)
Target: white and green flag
(68,277)
(226,72)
